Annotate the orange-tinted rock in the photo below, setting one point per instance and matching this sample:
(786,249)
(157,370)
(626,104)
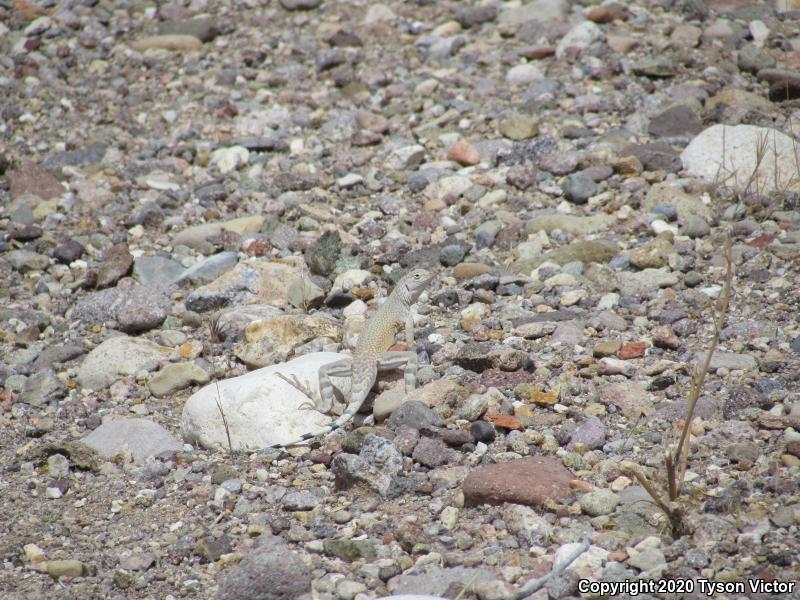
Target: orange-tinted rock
(529,481)
(632,350)
(506,422)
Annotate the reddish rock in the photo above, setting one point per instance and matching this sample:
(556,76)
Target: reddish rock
(537,52)
(506,422)
(116,264)
(632,350)
(762,241)
(30,178)
(464,153)
(529,481)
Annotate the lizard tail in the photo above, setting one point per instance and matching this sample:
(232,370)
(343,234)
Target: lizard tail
(363,378)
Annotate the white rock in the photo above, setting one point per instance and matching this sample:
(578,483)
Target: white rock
(230,159)
(608,301)
(524,74)
(724,154)
(572,297)
(377,13)
(660,226)
(406,157)
(581,36)
(350,180)
(350,279)
(261,409)
(357,308)
(454,185)
(161,181)
(759,31)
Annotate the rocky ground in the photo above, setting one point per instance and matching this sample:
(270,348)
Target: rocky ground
(191,190)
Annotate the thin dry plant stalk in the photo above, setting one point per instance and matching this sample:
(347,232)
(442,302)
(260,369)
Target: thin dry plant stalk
(224,420)
(680,456)
(761,153)
(536,584)
(676,461)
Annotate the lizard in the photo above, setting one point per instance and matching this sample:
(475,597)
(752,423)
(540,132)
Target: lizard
(371,354)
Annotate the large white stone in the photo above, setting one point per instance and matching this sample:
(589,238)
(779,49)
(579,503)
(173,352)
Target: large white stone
(261,409)
(728,155)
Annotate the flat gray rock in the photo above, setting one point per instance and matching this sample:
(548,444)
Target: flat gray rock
(141,437)
(119,357)
(135,308)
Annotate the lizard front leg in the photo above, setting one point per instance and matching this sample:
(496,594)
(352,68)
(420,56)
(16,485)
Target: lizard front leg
(407,361)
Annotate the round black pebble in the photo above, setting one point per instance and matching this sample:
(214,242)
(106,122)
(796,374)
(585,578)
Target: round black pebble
(482,431)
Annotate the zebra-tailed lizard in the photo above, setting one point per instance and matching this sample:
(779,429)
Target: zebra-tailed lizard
(371,353)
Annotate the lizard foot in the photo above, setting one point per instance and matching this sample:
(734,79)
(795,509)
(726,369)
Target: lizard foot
(298,385)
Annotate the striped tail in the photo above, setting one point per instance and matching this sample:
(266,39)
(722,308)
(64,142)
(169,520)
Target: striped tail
(363,379)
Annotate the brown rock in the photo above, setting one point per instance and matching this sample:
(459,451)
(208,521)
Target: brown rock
(116,264)
(30,178)
(537,52)
(506,422)
(621,44)
(664,337)
(608,13)
(469,270)
(630,398)
(464,153)
(527,481)
(372,122)
(25,233)
(788,89)
(606,348)
(793,448)
(628,166)
(456,437)
(632,350)
(364,137)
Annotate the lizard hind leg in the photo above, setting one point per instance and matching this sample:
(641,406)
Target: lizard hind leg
(408,361)
(324,401)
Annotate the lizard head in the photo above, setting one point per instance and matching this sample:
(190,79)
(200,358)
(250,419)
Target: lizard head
(414,282)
